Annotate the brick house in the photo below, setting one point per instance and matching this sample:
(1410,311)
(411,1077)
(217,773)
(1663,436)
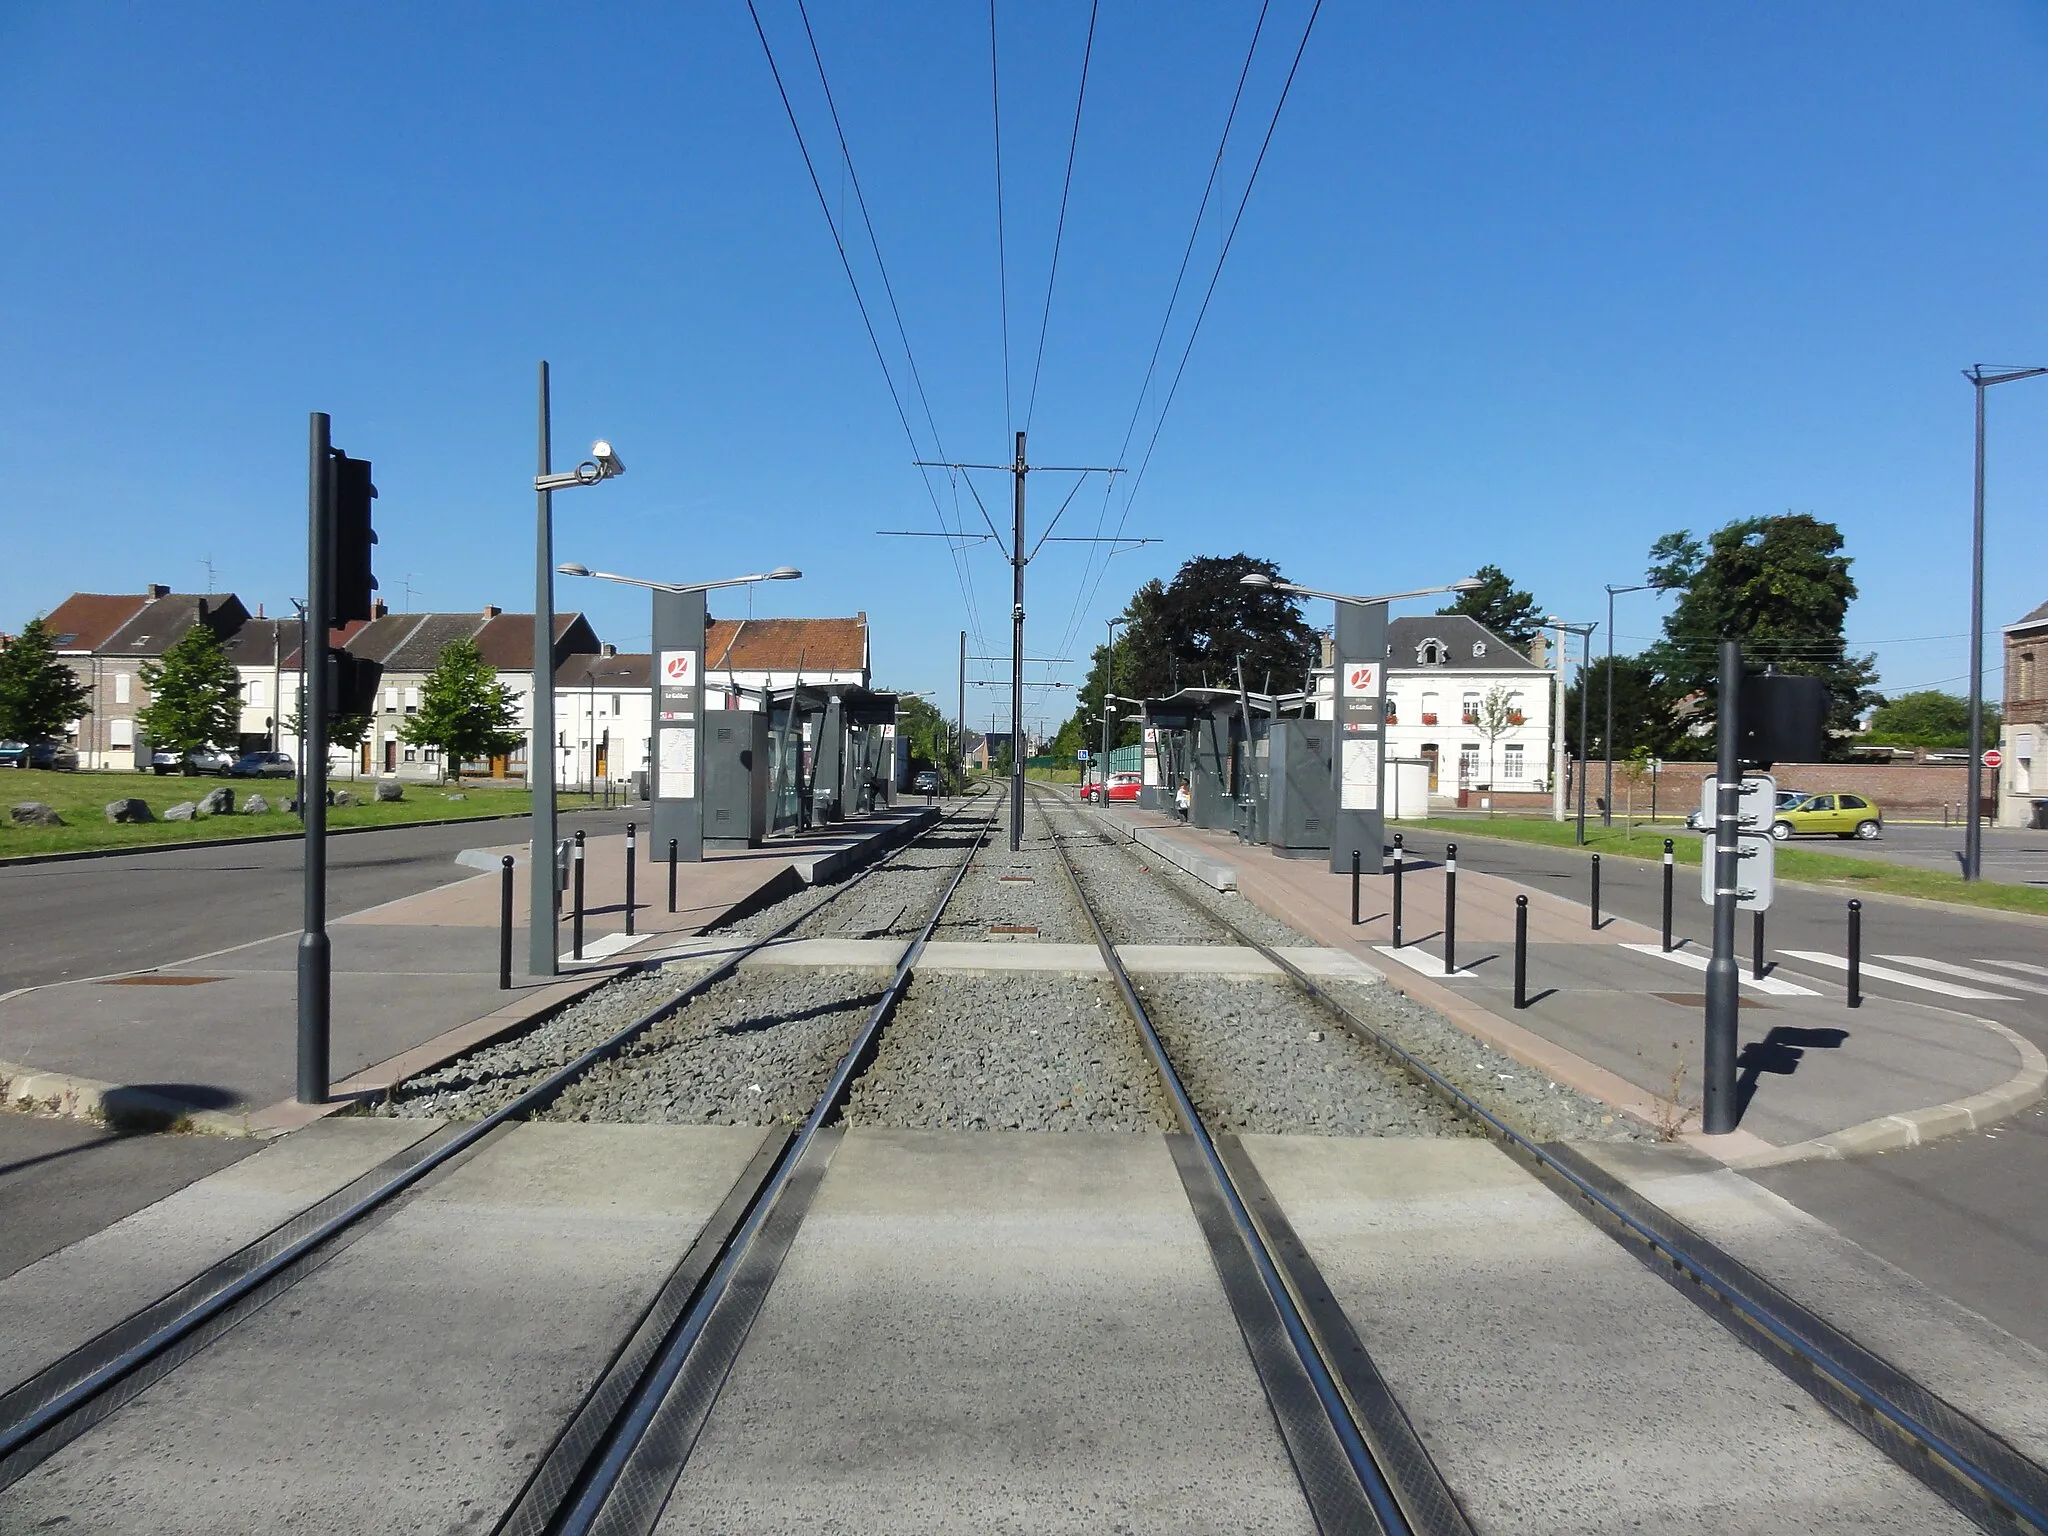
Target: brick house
(106,638)
(2023,777)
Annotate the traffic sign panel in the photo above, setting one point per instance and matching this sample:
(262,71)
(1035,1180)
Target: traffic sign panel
(1993,758)
(1756,852)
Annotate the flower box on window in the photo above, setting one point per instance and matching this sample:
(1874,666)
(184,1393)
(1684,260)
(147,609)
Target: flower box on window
(1470,717)
(1514,717)
(1429,719)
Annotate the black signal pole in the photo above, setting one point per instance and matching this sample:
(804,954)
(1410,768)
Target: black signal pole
(1718,1114)
(315,958)
(1018,560)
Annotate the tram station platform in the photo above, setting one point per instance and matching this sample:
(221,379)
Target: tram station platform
(1614,1016)
(211,1041)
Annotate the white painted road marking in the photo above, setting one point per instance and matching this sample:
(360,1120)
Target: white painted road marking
(1903,978)
(1418,960)
(2018,965)
(1969,973)
(603,946)
(1770,984)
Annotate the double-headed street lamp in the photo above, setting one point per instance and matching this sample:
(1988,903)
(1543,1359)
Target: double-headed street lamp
(1607,741)
(602,465)
(1585,634)
(1981,378)
(1358,706)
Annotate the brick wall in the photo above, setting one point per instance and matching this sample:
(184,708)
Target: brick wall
(1900,789)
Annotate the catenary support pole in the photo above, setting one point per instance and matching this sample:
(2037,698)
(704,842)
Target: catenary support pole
(1855,954)
(1719,1111)
(543,902)
(1450,908)
(1017,559)
(1521,951)
(576,880)
(315,956)
(960,713)
(632,857)
(505,925)
(1669,875)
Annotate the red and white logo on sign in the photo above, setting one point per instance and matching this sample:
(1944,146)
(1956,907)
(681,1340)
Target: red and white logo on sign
(1993,758)
(1362,679)
(679,669)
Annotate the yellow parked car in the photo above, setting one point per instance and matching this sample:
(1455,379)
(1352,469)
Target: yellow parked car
(1823,815)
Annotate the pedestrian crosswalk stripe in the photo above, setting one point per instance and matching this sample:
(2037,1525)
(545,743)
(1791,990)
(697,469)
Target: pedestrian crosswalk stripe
(1769,984)
(1903,978)
(1968,973)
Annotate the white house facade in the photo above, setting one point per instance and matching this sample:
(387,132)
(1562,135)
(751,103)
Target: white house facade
(1468,704)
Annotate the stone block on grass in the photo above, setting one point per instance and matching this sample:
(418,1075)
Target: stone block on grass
(184,810)
(217,802)
(255,805)
(33,813)
(390,789)
(130,809)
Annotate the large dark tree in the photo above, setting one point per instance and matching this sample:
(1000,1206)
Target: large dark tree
(1495,603)
(1207,623)
(1929,718)
(39,695)
(1642,712)
(1780,585)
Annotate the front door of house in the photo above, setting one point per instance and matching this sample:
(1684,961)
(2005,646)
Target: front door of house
(391,757)
(1429,755)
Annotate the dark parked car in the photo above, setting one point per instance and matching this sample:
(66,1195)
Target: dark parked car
(38,754)
(926,781)
(264,765)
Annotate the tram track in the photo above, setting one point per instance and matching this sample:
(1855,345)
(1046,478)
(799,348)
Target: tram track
(1968,1464)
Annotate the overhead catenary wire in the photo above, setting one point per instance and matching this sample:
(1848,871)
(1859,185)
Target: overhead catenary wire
(860,302)
(995,93)
(1060,227)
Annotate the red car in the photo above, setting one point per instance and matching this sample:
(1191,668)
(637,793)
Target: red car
(1122,786)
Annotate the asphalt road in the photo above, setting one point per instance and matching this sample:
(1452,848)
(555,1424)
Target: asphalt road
(2011,856)
(1967,1216)
(94,917)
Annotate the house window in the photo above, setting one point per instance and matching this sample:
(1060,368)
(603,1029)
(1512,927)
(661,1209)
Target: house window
(1468,763)
(412,754)
(2023,763)
(123,682)
(433,754)
(1429,708)
(1431,653)
(615,703)
(122,733)
(1515,713)
(412,701)
(255,693)
(1511,760)
(1478,649)
(391,700)
(1469,709)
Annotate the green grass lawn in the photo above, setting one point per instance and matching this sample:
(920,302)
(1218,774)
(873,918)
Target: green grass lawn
(1855,876)
(81,799)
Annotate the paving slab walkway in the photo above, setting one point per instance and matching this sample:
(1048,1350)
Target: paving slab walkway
(1615,1016)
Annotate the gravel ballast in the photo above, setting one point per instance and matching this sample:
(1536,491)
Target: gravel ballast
(1022,1051)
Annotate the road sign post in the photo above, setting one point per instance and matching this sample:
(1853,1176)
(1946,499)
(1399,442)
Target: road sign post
(1756,852)
(678,726)
(1358,756)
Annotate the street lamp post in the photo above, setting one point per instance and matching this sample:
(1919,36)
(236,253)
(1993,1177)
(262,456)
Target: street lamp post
(1585,634)
(1981,379)
(603,464)
(1108,681)
(1607,740)
(1359,709)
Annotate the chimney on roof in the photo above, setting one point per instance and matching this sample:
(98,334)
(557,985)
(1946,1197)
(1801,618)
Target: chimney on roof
(157,589)
(492,610)
(608,649)
(259,610)
(378,608)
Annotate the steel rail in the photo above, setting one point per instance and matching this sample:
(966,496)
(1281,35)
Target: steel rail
(1365,1466)
(50,1412)
(1992,1476)
(590,1505)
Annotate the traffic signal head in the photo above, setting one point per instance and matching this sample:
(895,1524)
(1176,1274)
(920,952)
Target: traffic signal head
(351,684)
(353,580)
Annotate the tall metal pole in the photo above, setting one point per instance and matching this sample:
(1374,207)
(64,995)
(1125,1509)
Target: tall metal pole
(315,956)
(1718,1109)
(1017,658)
(1557,771)
(1973,832)
(960,712)
(542,950)
(1108,683)
(1585,680)
(1607,735)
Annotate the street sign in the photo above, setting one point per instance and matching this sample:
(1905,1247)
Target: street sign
(1081,756)
(1755,848)
(1993,758)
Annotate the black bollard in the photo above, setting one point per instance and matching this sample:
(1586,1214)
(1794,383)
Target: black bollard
(632,849)
(1354,887)
(505,925)
(1521,951)
(1450,908)
(1399,856)
(1756,946)
(1855,954)
(671,874)
(1668,873)
(1596,891)
(576,921)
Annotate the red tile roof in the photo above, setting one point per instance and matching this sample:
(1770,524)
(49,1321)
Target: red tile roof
(781,645)
(85,620)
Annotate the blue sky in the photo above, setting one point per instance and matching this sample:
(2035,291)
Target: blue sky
(1529,285)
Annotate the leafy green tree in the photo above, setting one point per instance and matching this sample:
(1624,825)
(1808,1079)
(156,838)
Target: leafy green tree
(464,710)
(1495,602)
(1643,720)
(195,695)
(1202,624)
(1780,585)
(39,695)
(345,731)
(927,732)
(1929,718)
(1073,737)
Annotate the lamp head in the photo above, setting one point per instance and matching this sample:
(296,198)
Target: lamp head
(1469,584)
(1255,579)
(573,569)
(784,573)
